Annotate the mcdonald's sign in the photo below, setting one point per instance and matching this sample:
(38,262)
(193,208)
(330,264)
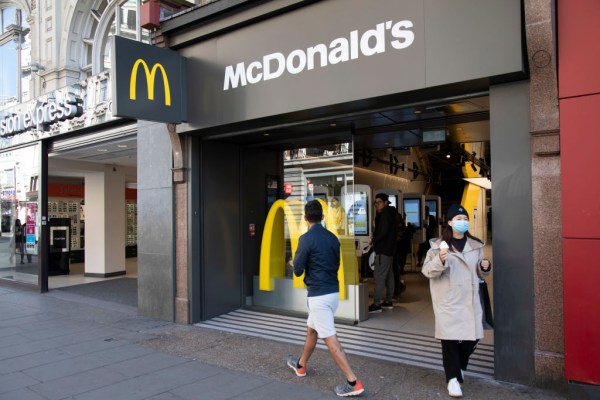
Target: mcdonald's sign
(148,82)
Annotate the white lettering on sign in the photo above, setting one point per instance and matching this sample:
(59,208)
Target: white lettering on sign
(41,116)
(342,49)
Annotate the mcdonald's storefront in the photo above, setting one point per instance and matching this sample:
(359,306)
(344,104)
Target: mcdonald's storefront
(294,100)
(270,105)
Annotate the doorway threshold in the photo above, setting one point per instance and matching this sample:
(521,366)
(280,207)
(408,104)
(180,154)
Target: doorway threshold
(404,348)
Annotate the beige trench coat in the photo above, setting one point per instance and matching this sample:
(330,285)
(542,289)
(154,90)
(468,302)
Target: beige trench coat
(455,291)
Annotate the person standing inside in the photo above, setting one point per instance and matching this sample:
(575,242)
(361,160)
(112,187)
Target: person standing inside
(336,216)
(454,265)
(403,240)
(384,245)
(318,258)
(20,239)
(430,233)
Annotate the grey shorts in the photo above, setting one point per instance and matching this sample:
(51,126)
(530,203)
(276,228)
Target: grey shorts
(321,310)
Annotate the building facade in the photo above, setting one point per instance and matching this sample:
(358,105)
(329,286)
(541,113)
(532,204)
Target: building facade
(366,91)
(63,152)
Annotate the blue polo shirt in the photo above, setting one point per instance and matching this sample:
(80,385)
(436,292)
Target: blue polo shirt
(318,256)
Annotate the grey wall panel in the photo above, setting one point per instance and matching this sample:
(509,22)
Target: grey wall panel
(471,39)
(155,222)
(256,165)
(155,233)
(220,229)
(155,286)
(514,335)
(155,158)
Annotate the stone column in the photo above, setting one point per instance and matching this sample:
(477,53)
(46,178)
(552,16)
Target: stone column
(182,302)
(105,222)
(546,193)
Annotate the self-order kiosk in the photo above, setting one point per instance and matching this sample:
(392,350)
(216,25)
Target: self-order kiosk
(359,211)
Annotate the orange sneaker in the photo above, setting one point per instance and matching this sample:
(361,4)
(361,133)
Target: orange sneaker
(292,362)
(347,390)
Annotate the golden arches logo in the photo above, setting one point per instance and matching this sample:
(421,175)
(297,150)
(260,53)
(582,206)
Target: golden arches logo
(273,247)
(150,78)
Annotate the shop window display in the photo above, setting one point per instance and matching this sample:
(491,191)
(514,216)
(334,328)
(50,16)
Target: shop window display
(21,220)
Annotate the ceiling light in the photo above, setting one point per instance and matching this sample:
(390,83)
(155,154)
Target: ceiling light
(102,150)
(332,125)
(265,134)
(123,146)
(448,156)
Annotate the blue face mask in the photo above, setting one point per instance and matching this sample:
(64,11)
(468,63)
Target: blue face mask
(460,226)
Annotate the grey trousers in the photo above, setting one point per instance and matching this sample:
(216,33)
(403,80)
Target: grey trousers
(384,278)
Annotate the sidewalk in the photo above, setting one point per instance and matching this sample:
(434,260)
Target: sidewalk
(61,345)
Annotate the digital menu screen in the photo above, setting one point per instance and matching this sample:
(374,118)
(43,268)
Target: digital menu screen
(358,214)
(412,208)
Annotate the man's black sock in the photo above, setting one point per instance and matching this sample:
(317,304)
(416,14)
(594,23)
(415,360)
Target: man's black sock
(351,383)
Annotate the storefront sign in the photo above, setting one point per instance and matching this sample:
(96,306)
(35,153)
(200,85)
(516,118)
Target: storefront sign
(45,113)
(60,111)
(8,194)
(339,50)
(65,190)
(149,82)
(352,56)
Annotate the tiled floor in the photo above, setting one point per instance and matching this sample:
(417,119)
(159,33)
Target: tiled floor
(76,277)
(414,312)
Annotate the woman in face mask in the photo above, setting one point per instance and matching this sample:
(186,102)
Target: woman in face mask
(454,266)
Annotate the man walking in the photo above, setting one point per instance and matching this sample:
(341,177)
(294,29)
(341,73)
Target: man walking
(318,257)
(384,245)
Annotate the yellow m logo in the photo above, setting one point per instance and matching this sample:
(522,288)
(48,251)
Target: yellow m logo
(272,252)
(150,78)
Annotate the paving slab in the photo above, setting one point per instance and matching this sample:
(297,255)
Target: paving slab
(66,346)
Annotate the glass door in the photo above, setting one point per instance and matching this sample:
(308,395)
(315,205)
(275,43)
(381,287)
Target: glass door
(324,174)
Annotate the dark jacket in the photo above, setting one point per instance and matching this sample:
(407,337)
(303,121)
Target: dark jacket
(318,257)
(384,237)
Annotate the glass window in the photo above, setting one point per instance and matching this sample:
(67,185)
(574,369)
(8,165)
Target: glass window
(26,82)
(9,17)
(146,36)
(118,18)
(15,58)
(19,172)
(103,90)
(128,20)
(107,50)
(8,73)
(324,174)
(124,22)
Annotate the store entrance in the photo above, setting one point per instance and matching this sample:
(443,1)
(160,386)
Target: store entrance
(425,158)
(92,214)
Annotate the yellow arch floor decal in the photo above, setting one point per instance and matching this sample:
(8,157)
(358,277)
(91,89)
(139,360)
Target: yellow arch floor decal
(272,251)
